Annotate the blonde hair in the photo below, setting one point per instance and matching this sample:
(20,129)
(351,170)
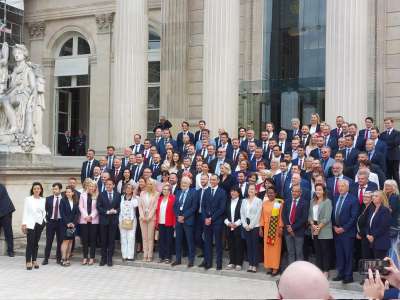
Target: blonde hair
(94,184)
(152,186)
(393,184)
(228,168)
(384,199)
(85,183)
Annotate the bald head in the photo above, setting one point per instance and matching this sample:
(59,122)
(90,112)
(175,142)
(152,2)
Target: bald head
(294,285)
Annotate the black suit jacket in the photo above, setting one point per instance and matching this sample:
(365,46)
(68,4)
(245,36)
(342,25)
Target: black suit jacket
(84,169)
(103,205)
(236,215)
(393,144)
(6,205)
(49,206)
(69,215)
(64,147)
(213,164)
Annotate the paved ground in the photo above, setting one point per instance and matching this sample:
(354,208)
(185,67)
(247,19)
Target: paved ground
(129,282)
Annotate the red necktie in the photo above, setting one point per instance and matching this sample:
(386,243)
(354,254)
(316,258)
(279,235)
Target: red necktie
(292,216)
(361,196)
(337,186)
(116,173)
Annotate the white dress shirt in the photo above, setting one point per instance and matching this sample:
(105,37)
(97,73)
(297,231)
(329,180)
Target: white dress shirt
(163,211)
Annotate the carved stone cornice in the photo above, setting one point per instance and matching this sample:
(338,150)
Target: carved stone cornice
(37,30)
(104,23)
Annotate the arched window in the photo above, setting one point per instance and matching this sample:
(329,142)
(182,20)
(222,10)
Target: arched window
(72,95)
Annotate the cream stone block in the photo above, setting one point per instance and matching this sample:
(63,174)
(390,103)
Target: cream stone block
(393,61)
(196,52)
(393,90)
(392,75)
(392,5)
(196,27)
(195,87)
(393,19)
(393,47)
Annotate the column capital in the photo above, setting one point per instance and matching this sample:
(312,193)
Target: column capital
(37,30)
(104,23)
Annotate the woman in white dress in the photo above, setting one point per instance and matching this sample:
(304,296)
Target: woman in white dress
(33,221)
(128,223)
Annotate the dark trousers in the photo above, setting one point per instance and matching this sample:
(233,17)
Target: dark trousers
(210,232)
(252,244)
(344,247)
(182,231)
(32,242)
(88,239)
(366,250)
(392,170)
(108,233)
(323,253)
(198,232)
(6,224)
(379,254)
(53,228)
(166,234)
(235,244)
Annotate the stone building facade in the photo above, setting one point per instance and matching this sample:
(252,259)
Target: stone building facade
(114,66)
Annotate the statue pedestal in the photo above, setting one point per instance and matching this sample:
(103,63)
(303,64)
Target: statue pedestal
(11,157)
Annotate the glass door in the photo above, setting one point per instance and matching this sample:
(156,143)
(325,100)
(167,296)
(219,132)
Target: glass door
(64,112)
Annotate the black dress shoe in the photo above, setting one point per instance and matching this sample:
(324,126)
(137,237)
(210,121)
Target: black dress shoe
(59,261)
(207,267)
(45,262)
(219,268)
(102,263)
(176,263)
(110,264)
(337,278)
(11,254)
(190,265)
(348,280)
(202,265)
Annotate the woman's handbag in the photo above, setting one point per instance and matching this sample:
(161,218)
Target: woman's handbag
(70,233)
(127,224)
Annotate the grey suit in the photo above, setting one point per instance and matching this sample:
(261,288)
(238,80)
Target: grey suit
(324,217)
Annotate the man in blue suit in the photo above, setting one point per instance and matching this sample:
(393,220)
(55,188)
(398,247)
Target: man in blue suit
(392,139)
(213,209)
(344,218)
(350,153)
(326,160)
(332,183)
(282,179)
(374,156)
(185,207)
(380,145)
(108,205)
(295,216)
(185,131)
(362,185)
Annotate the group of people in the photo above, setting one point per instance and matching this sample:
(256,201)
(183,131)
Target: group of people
(310,189)
(72,145)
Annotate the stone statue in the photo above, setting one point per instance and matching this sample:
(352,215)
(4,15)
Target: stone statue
(23,101)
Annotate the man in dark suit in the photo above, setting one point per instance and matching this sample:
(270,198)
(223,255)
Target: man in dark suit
(305,137)
(185,132)
(296,179)
(198,134)
(283,142)
(137,147)
(88,165)
(204,178)
(257,159)
(215,164)
(329,140)
(213,209)
(365,133)
(110,157)
(392,139)
(210,154)
(185,208)
(344,218)
(54,225)
(6,210)
(374,156)
(350,153)
(173,181)
(125,157)
(163,124)
(167,139)
(80,143)
(243,184)
(249,138)
(156,166)
(337,132)
(157,138)
(234,154)
(65,144)
(282,179)
(225,144)
(316,153)
(108,205)
(295,130)
(117,172)
(379,144)
(137,170)
(332,183)
(363,185)
(295,216)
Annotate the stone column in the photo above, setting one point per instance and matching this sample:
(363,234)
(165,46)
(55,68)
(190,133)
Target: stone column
(346,60)
(129,101)
(174,39)
(221,65)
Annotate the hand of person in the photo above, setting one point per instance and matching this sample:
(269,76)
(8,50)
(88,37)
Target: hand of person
(374,288)
(23,229)
(261,232)
(394,274)
(289,228)
(358,237)
(181,219)
(370,238)
(207,221)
